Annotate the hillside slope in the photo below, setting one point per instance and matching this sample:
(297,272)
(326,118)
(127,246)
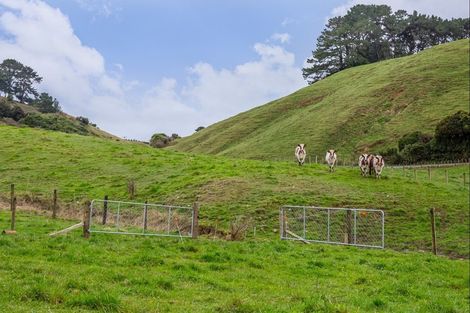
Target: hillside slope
(366,108)
(38,161)
(60,121)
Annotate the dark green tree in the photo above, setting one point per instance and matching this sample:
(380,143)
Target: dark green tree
(18,80)
(370,33)
(46,104)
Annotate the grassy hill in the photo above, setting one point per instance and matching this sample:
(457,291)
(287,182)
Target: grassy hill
(38,161)
(365,108)
(53,121)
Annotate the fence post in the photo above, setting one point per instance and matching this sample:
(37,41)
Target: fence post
(195,225)
(316,159)
(105,209)
(447,177)
(86,219)
(54,204)
(429,173)
(13,207)
(145,216)
(305,228)
(348,226)
(464,179)
(131,188)
(433,231)
(414,171)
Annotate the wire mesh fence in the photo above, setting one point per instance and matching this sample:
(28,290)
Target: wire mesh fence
(119,217)
(357,227)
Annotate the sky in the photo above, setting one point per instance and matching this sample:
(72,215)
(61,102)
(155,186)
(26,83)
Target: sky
(137,67)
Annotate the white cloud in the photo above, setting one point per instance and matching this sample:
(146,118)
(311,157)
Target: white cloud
(283,38)
(42,37)
(99,7)
(445,9)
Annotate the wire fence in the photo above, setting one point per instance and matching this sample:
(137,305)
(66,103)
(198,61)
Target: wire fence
(120,217)
(344,226)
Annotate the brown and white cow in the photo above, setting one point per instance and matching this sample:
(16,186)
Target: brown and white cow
(300,153)
(330,158)
(378,163)
(370,163)
(364,164)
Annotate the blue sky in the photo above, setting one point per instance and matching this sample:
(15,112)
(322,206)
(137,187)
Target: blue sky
(140,67)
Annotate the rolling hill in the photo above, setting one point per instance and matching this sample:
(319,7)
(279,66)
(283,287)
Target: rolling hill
(53,121)
(110,273)
(39,161)
(361,109)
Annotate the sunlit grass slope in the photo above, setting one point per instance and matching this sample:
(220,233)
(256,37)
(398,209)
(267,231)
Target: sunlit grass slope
(365,108)
(38,160)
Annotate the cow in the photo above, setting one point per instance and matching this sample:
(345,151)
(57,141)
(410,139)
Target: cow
(370,163)
(378,163)
(300,153)
(330,158)
(364,163)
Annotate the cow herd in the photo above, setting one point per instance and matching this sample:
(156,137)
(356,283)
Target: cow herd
(368,163)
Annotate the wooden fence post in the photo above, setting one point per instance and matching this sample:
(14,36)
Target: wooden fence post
(145,216)
(13,207)
(316,159)
(433,231)
(131,188)
(447,177)
(414,172)
(105,209)
(429,172)
(86,219)
(464,179)
(195,225)
(54,204)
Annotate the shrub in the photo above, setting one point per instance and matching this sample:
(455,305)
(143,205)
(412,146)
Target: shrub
(412,138)
(159,140)
(83,120)
(200,128)
(452,135)
(5,109)
(17,113)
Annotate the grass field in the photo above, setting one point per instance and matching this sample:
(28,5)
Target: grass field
(365,108)
(39,161)
(134,274)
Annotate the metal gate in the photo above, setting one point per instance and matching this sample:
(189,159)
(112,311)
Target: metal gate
(132,218)
(344,226)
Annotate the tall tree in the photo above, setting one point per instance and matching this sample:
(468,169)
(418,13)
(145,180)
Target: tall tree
(370,33)
(18,80)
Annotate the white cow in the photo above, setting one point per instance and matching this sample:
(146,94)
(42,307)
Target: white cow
(300,153)
(364,163)
(330,158)
(378,163)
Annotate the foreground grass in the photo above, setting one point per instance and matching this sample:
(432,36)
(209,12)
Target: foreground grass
(38,161)
(365,108)
(134,274)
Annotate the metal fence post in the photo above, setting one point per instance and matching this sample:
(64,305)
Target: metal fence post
(118,216)
(169,220)
(328,227)
(145,217)
(355,223)
(195,221)
(305,231)
(86,219)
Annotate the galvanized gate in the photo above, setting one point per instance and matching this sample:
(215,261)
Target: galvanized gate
(149,219)
(344,226)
